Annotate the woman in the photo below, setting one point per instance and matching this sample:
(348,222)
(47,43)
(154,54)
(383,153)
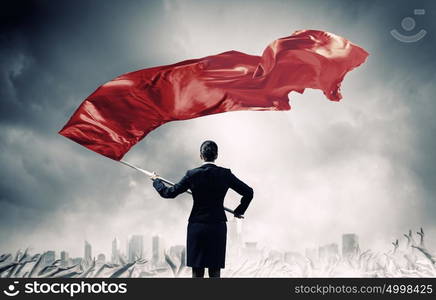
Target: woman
(207,230)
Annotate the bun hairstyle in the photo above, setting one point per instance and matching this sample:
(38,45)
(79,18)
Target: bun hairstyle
(209,150)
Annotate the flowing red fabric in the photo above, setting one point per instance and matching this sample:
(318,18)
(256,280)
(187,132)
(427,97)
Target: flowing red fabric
(124,110)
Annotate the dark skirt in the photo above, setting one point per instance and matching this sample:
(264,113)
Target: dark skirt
(206,245)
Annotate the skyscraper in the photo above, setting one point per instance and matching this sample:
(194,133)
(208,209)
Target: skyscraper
(64,258)
(235,239)
(136,248)
(115,251)
(48,258)
(350,244)
(88,252)
(158,250)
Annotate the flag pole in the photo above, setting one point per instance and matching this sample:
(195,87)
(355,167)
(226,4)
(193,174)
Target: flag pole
(148,173)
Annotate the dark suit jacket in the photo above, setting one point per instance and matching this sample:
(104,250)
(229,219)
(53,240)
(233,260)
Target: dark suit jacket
(209,184)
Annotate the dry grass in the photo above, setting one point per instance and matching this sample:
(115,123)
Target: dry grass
(405,259)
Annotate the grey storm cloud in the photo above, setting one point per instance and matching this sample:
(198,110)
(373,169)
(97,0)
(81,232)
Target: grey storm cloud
(365,164)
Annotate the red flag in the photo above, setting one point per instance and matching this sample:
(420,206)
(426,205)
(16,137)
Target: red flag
(124,110)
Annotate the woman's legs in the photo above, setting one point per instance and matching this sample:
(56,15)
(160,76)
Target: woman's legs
(197,272)
(214,272)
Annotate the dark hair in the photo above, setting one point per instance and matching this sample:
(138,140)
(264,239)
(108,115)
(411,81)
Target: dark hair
(209,150)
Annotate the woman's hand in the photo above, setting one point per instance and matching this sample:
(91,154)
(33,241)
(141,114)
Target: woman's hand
(154,176)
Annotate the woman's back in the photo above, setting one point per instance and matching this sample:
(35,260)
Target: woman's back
(209,184)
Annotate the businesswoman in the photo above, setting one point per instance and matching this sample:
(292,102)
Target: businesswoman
(207,230)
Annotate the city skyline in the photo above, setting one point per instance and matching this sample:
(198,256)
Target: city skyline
(235,233)
(237,247)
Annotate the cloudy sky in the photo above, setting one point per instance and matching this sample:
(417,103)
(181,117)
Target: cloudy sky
(364,165)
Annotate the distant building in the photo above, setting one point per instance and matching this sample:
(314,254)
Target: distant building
(101,259)
(64,259)
(115,258)
(350,244)
(328,252)
(49,258)
(251,245)
(135,248)
(76,261)
(88,252)
(251,251)
(234,241)
(158,250)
